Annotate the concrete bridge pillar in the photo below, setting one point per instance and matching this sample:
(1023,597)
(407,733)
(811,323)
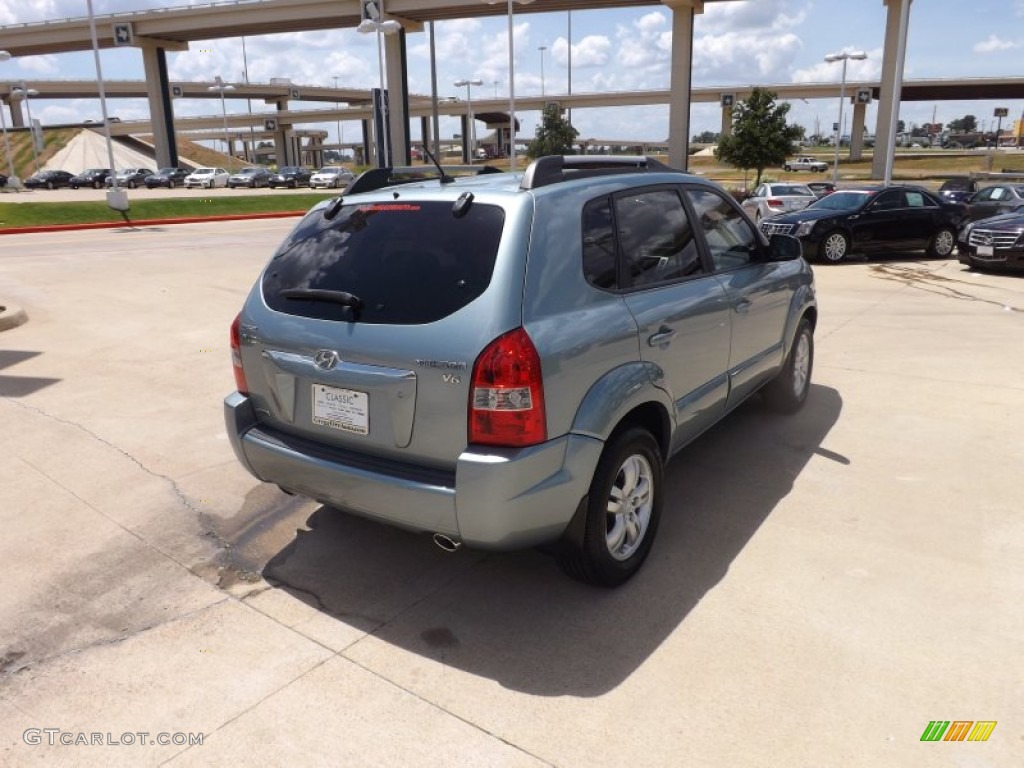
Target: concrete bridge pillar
(398,97)
(726,121)
(883,137)
(683,12)
(857,132)
(17,115)
(161,113)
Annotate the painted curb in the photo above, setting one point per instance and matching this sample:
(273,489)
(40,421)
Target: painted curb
(145,222)
(11,316)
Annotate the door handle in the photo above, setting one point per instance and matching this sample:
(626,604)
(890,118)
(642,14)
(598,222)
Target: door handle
(743,305)
(663,336)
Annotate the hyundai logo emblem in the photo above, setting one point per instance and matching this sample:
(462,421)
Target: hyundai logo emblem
(326,359)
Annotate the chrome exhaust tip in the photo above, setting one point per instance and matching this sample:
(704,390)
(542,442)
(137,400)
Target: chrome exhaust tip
(447,543)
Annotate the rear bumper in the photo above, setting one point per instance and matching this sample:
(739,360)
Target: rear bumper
(495,499)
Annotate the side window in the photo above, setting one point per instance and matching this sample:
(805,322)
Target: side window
(889,200)
(656,237)
(732,241)
(761,191)
(916,200)
(998,193)
(980,197)
(599,244)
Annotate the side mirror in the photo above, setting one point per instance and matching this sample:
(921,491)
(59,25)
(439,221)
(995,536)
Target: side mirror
(785,248)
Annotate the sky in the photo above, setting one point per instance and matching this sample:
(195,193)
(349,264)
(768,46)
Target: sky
(744,42)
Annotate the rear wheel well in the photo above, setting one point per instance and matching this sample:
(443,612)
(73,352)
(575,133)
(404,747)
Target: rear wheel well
(651,417)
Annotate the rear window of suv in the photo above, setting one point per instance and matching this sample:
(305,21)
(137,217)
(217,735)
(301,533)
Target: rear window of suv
(403,263)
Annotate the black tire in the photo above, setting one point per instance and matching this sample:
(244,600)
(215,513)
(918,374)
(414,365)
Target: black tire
(787,392)
(835,247)
(132,184)
(50,185)
(97,184)
(170,184)
(942,243)
(630,462)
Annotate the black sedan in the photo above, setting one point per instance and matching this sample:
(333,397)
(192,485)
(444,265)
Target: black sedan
(291,176)
(48,180)
(995,243)
(255,176)
(167,177)
(869,219)
(91,177)
(996,200)
(958,189)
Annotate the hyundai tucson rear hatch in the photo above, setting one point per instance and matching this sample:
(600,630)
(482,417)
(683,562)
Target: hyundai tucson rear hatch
(360,343)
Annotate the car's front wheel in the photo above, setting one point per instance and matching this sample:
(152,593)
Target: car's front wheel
(834,247)
(787,392)
(622,513)
(942,243)
(96,185)
(170,184)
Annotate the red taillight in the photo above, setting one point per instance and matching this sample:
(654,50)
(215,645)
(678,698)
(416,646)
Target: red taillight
(236,356)
(506,398)
(773,203)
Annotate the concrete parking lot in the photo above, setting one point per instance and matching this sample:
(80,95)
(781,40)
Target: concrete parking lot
(823,586)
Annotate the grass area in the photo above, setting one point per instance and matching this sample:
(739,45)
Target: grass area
(36,214)
(20,143)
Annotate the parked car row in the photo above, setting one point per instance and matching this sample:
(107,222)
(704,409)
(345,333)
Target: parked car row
(291,176)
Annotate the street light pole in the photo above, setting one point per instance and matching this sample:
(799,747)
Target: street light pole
(221,88)
(341,136)
(511,79)
(844,57)
(542,48)
(471,127)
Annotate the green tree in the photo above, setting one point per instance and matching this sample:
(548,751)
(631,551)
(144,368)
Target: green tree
(554,136)
(760,136)
(966,124)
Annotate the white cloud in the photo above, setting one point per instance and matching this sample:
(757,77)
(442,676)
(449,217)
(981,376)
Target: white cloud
(831,72)
(752,16)
(39,65)
(994,44)
(591,51)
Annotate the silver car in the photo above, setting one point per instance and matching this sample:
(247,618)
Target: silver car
(509,360)
(770,199)
(331,176)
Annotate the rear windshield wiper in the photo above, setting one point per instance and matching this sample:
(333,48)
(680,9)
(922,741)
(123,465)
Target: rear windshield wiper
(320,294)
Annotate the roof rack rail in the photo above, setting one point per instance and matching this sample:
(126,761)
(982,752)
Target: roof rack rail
(553,169)
(379,178)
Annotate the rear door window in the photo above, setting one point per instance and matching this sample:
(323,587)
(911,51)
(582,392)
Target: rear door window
(403,263)
(656,237)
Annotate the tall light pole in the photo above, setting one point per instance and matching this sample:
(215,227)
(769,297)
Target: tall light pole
(511,81)
(248,108)
(468,85)
(12,179)
(221,87)
(24,93)
(341,136)
(570,66)
(844,57)
(374,11)
(542,48)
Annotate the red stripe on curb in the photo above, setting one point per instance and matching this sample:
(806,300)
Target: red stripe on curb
(146,222)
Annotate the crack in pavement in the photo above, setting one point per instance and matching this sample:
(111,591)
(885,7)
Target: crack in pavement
(9,672)
(205,524)
(920,278)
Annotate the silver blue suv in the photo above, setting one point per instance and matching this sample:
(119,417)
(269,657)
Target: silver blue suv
(508,360)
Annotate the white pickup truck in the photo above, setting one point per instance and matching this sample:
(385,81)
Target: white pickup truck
(805,164)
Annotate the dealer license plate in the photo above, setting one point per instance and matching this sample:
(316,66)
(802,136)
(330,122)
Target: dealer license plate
(986,250)
(343,409)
